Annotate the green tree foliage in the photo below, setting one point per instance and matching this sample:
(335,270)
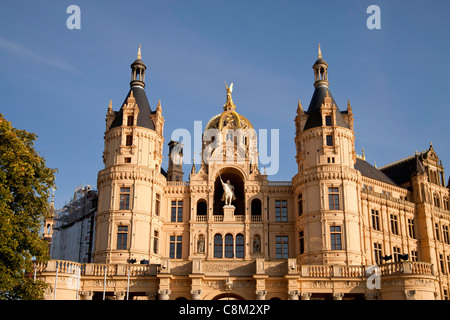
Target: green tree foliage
(25,186)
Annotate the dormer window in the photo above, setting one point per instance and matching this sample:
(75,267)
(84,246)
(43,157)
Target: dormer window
(129,140)
(130,121)
(329,140)
(328,121)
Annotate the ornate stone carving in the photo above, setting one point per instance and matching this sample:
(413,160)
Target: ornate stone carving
(338,295)
(261,294)
(305,295)
(410,294)
(196,294)
(164,294)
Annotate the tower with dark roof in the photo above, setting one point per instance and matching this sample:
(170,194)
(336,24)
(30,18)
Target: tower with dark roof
(326,178)
(131,181)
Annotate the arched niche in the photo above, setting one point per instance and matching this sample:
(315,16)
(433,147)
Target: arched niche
(237,180)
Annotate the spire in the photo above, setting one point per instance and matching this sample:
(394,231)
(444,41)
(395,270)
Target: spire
(139,56)
(319,55)
(52,210)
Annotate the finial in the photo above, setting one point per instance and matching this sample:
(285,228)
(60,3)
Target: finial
(363,154)
(158,107)
(320,53)
(229,98)
(139,53)
(375,164)
(299,106)
(110,106)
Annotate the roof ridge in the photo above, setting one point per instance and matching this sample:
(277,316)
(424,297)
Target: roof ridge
(400,161)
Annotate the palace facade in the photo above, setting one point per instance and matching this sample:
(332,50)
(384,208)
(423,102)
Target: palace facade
(340,229)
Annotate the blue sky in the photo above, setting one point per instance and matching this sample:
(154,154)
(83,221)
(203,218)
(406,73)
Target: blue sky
(57,82)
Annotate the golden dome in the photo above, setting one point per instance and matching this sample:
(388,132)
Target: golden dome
(229,118)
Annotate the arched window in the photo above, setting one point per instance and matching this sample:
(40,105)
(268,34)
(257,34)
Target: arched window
(217,246)
(201,208)
(239,246)
(256,210)
(228,246)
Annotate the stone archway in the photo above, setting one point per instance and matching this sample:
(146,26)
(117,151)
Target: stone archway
(228,296)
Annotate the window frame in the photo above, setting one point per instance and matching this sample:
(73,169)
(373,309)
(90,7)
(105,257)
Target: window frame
(122,237)
(282,215)
(124,198)
(336,238)
(176,210)
(281,247)
(333,195)
(175,247)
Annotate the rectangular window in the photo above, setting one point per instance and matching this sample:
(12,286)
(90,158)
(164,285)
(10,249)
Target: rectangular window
(281,247)
(300,204)
(376,220)
(441,263)
(377,252)
(175,247)
(328,121)
(122,237)
(329,140)
(130,121)
(396,251)
(445,234)
(414,255)
(333,198)
(437,231)
(129,140)
(127,160)
(394,224)
(124,198)
(155,241)
(281,210)
(336,238)
(301,238)
(176,211)
(448,263)
(157,204)
(411,228)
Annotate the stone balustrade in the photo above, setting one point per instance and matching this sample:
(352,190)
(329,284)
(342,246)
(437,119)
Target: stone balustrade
(303,271)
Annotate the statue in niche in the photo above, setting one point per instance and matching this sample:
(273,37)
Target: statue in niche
(256,244)
(201,244)
(228,192)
